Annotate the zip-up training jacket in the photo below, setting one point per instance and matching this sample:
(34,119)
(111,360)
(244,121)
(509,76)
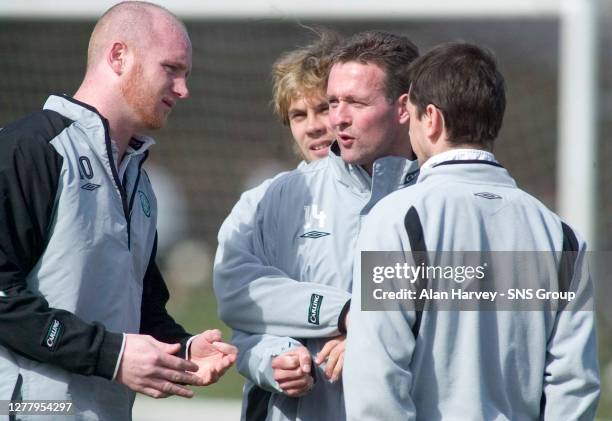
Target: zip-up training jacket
(294,284)
(77,260)
(253,360)
(500,364)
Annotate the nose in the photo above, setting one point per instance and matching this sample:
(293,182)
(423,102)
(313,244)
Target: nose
(339,116)
(315,126)
(180,88)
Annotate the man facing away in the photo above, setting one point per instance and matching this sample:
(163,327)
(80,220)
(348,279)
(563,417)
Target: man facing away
(291,292)
(82,302)
(442,364)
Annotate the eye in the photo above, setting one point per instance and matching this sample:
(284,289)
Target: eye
(170,68)
(332,103)
(297,116)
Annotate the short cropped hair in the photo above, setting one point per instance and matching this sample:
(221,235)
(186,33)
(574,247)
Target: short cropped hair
(392,53)
(128,20)
(461,80)
(302,72)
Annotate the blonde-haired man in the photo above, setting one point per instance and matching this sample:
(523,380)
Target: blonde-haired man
(273,363)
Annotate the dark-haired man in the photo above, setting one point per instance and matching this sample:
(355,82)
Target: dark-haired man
(409,364)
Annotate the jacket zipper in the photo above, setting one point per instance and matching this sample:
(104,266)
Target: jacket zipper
(134,190)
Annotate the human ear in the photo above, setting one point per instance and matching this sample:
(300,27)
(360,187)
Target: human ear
(402,109)
(435,122)
(116,57)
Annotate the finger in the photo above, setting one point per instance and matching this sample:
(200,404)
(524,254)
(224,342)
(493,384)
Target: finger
(286,362)
(170,388)
(211,377)
(227,349)
(324,352)
(212,335)
(154,393)
(176,363)
(224,364)
(300,391)
(285,375)
(304,359)
(168,348)
(338,369)
(230,358)
(332,360)
(294,384)
(180,377)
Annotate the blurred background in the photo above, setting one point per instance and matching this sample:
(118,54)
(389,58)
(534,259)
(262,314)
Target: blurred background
(225,139)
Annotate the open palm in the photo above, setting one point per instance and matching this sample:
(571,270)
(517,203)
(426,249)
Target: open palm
(212,356)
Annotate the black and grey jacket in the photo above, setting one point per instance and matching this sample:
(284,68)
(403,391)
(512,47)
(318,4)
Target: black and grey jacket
(77,260)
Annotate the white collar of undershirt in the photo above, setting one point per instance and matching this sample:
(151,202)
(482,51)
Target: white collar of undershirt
(459,155)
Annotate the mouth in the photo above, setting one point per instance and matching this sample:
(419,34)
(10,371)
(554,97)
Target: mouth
(320,146)
(345,139)
(320,149)
(168,103)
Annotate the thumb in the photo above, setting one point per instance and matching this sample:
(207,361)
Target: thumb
(304,358)
(213,335)
(168,348)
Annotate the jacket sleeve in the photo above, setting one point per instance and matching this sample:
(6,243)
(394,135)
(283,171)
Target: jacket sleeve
(255,355)
(154,318)
(377,377)
(253,294)
(571,376)
(29,175)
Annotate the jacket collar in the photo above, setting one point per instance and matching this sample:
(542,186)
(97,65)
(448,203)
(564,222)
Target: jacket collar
(467,165)
(459,155)
(96,126)
(389,173)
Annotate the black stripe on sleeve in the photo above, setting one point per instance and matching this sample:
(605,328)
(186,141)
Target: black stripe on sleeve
(414,229)
(30,170)
(29,175)
(568,258)
(154,318)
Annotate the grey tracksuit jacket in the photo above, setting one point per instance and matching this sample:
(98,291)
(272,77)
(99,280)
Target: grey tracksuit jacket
(77,261)
(471,365)
(283,273)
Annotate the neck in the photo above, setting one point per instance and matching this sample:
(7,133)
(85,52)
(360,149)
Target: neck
(121,129)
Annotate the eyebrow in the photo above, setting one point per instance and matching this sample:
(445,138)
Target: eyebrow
(178,64)
(347,98)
